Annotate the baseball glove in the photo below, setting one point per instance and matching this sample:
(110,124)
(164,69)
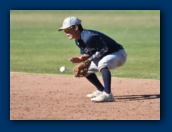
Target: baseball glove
(81,69)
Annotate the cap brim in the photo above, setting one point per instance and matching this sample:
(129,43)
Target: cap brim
(62,28)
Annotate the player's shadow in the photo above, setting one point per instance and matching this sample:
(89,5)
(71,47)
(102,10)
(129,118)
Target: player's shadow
(136,97)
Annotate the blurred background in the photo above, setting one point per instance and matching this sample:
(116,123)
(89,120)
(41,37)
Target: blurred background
(36,46)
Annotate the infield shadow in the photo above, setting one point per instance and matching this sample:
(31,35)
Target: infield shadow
(136,97)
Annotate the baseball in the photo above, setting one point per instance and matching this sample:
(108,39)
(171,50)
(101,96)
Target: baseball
(62,69)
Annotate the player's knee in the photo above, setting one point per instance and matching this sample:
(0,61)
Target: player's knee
(102,67)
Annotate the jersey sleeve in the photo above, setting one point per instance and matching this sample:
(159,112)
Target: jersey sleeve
(82,51)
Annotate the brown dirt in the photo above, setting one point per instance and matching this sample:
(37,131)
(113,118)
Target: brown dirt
(55,97)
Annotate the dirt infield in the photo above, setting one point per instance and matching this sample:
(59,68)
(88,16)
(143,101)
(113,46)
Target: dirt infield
(55,97)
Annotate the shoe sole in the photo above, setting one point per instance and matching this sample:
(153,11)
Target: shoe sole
(93,96)
(103,101)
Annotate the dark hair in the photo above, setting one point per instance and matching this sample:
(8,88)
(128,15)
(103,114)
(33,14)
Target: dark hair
(80,27)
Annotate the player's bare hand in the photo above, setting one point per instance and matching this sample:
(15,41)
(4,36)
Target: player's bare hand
(75,60)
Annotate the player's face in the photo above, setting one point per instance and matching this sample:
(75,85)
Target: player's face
(67,30)
(71,32)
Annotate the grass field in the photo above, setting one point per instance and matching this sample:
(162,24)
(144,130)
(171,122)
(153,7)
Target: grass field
(37,47)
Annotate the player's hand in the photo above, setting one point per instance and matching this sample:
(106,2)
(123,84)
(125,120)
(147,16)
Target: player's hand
(75,60)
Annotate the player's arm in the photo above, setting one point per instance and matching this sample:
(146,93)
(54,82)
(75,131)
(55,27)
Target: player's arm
(99,54)
(79,59)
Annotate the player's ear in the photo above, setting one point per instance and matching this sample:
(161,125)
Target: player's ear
(76,27)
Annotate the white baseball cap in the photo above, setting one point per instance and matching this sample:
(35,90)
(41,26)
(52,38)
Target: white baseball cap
(70,21)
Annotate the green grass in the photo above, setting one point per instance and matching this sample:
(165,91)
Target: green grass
(37,47)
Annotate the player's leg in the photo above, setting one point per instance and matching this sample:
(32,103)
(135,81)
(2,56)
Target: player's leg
(109,62)
(106,75)
(92,78)
(114,60)
(106,94)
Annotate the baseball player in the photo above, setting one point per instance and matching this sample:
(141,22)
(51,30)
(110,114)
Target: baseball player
(101,51)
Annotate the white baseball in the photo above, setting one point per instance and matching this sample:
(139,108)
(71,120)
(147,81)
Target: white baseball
(62,69)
